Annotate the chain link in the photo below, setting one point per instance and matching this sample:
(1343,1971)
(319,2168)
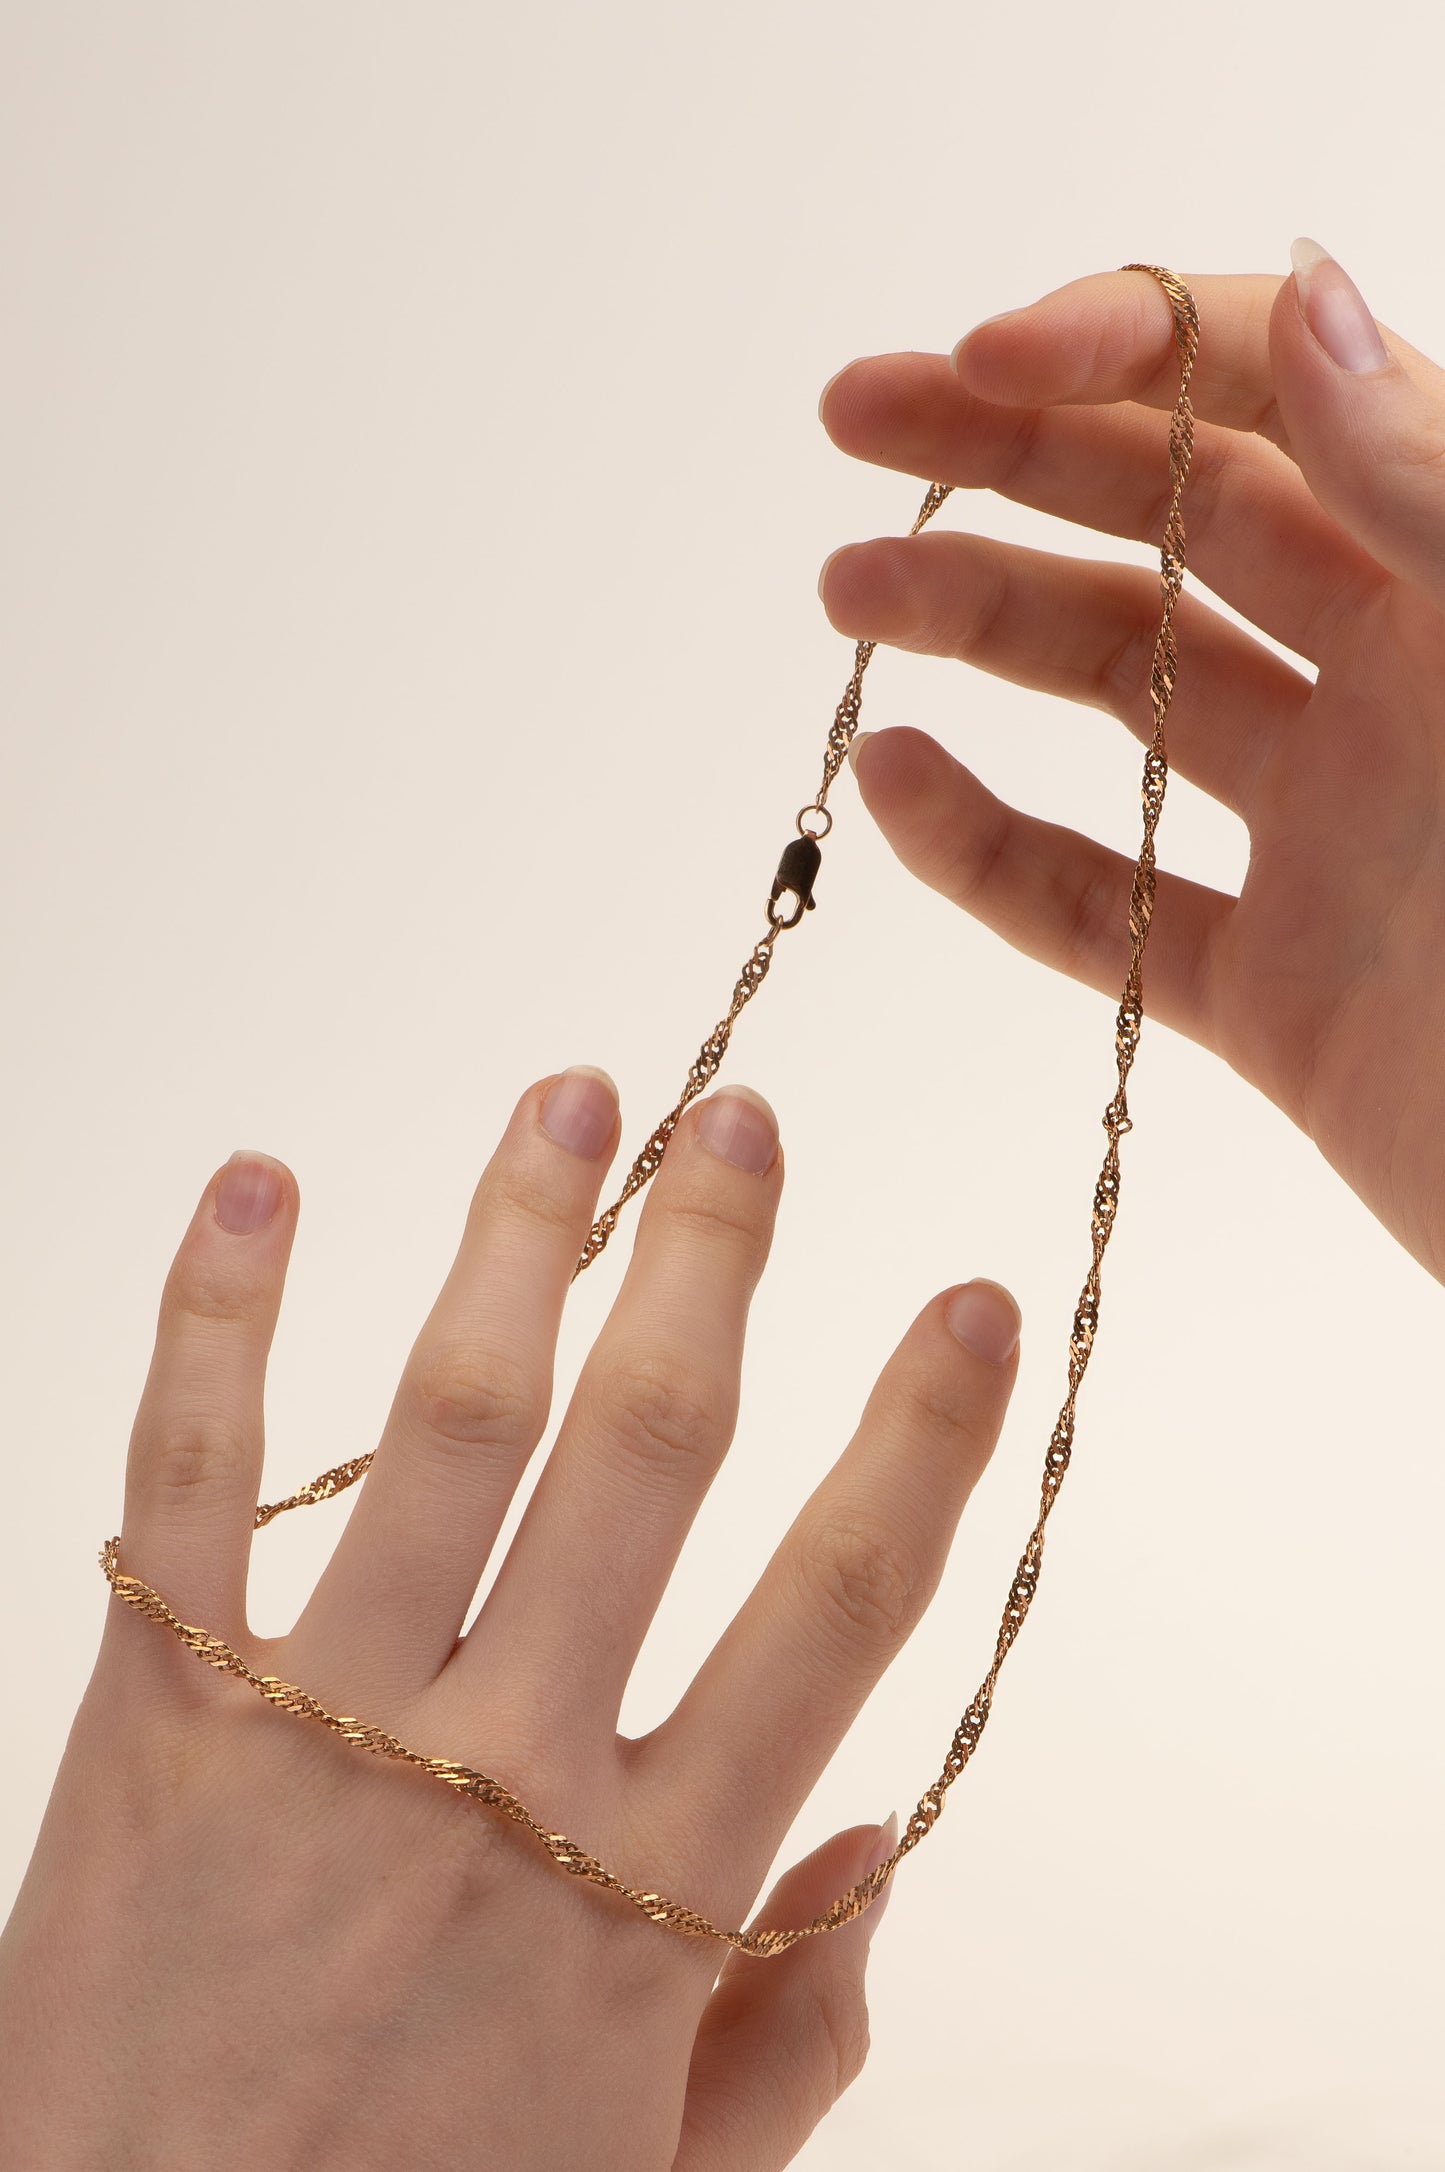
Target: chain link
(479,1787)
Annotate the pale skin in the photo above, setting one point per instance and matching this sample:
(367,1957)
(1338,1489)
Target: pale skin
(1316,508)
(242,1942)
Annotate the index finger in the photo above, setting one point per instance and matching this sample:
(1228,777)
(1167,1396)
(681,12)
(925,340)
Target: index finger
(1110,336)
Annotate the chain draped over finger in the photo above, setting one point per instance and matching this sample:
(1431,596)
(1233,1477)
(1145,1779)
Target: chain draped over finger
(481,1788)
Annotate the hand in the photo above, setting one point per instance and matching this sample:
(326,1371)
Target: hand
(1315,506)
(244,1942)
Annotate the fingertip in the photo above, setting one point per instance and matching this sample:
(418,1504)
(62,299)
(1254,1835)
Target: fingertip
(1335,312)
(904,764)
(977,353)
(873,402)
(900,771)
(837,584)
(986,1319)
(826,393)
(1104,337)
(740,1126)
(868,589)
(579,1110)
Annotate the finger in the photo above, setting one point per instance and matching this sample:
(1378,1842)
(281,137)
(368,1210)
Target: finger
(848,1584)
(1256,534)
(1049,891)
(1367,419)
(1076,627)
(650,1421)
(193,1471)
(781,2040)
(1110,336)
(474,1397)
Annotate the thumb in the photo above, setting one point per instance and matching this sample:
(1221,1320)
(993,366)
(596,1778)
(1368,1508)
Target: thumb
(781,2039)
(1365,412)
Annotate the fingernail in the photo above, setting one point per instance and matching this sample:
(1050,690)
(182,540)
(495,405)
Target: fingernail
(1335,310)
(579,1110)
(887,1841)
(248,1194)
(986,1320)
(740,1127)
(854,744)
(823,575)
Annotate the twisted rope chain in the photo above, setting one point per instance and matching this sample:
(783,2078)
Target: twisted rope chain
(795,878)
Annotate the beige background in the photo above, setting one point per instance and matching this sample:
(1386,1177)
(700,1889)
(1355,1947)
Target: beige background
(414,501)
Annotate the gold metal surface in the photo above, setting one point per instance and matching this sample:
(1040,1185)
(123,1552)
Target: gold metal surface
(481,1788)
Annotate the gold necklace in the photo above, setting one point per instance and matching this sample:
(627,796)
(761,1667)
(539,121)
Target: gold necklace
(796,876)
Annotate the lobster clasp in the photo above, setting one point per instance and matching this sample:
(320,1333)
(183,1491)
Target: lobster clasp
(797,873)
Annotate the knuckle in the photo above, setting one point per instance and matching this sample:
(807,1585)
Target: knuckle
(865,1583)
(508,1194)
(1214,467)
(1259,404)
(1217,468)
(473,1401)
(714,1218)
(966,632)
(1423,454)
(660,1416)
(1121,678)
(941,1408)
(1020,454)
(192,1449)
(1096,921)
(972,856)
(840,2020)
(194,1293)
(1339,600)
